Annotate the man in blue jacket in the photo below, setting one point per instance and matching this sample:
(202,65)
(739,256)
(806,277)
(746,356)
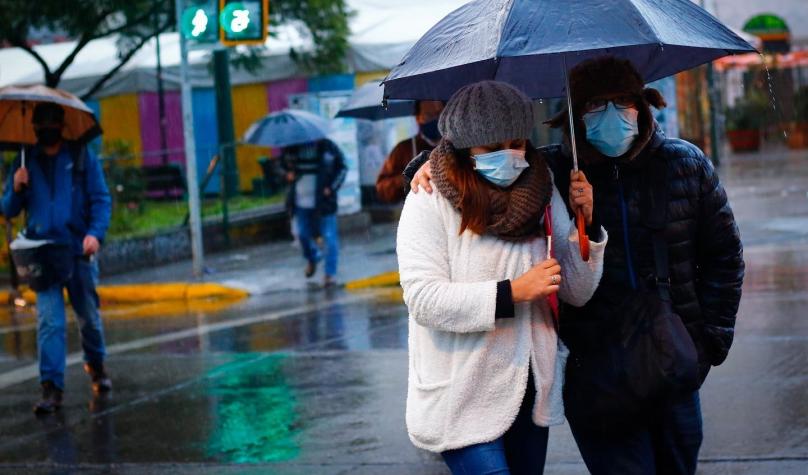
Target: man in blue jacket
(63,192)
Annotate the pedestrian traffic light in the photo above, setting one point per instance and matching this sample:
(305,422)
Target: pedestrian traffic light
(243,21)
(198,21)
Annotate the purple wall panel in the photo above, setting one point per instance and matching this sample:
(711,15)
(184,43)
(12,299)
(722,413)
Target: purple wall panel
(150,127)
(278,92)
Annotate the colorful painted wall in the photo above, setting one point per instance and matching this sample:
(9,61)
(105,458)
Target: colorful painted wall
(134,120)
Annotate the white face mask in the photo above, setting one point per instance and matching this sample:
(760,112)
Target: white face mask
(502,167)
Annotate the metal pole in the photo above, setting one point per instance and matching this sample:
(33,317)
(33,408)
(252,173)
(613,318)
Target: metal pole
(190,153)
(572,119)
(712,116)
(224,119)
(161,100)
(711,93)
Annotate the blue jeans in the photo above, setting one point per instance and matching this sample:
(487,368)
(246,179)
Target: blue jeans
(51,337)
(664,442)
(307,224)
(521,450)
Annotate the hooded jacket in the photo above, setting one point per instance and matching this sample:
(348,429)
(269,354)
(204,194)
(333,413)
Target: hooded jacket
(67,198)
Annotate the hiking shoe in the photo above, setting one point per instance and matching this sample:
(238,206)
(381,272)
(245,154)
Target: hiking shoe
(51,399)
(311,268)
(100,380)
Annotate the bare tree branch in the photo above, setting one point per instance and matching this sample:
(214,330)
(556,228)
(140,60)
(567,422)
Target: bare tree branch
(123,60)
(83,41)
(24,46)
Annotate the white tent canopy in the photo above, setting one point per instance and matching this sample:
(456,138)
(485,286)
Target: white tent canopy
(382,32)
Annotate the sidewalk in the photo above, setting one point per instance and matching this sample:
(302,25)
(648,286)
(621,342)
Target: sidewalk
(278,266)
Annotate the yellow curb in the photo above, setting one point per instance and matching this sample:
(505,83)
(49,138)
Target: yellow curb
(388,279)
(146,293)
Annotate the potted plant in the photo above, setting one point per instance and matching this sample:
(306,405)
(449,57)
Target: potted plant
(798,129)
(744,121)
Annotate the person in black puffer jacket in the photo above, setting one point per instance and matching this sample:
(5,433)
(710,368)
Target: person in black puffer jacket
(705,260)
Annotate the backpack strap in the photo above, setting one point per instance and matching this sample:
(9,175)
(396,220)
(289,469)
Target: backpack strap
(656,218)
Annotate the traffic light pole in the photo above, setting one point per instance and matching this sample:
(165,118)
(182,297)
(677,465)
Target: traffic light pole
(195,220)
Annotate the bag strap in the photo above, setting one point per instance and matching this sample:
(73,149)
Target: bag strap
(657,219)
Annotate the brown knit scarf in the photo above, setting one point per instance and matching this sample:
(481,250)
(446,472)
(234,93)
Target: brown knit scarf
(514,213)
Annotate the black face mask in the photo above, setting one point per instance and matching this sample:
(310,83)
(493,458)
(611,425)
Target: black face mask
(48,136)
(430,130)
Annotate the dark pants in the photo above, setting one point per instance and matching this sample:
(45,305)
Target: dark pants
(521,450)
(667,442)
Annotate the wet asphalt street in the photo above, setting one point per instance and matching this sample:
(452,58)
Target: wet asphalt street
(313,381)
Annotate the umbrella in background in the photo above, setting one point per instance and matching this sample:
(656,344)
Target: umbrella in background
(366,103)
(287,127)
(17,107)
(531,44)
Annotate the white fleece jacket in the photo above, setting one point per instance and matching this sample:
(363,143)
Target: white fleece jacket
(468,372)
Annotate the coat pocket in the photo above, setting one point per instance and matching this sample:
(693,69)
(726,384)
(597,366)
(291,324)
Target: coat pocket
(426,411)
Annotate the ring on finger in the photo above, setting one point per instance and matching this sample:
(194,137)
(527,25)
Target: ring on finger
(555,279)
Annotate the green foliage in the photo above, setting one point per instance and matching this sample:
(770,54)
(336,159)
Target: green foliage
(749,113)
(801,105)
(155,216)
(326,22)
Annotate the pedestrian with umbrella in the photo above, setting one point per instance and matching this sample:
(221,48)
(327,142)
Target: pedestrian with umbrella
(315,169)
(368,103)
(60,185)
(665,310)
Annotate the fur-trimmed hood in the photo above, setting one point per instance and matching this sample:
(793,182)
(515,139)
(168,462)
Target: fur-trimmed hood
(607,76)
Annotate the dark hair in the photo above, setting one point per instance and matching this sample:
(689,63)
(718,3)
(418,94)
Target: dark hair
(418,105)
(48,113)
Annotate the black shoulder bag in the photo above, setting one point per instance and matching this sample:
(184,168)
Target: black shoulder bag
(50,264)
(649,355)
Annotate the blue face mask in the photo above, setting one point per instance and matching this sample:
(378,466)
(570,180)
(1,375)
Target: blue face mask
(502,167)
(612,131)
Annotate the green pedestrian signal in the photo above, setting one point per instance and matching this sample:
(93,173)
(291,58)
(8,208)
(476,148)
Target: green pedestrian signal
(198,22)
(243,21)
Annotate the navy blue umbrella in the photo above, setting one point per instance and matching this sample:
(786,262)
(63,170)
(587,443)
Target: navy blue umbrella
(531,44)
(366,103)
(287,127)
(526,43)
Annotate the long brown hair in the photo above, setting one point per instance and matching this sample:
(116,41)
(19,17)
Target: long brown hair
(472,190)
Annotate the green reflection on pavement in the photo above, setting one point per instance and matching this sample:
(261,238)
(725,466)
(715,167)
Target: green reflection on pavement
(254,412)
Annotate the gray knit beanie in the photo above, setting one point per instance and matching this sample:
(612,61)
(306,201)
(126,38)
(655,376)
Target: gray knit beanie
(486,112)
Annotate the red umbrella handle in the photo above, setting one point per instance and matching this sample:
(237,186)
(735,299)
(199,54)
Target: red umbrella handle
(583,239)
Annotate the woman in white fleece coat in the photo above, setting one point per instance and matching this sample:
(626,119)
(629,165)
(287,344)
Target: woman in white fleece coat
(485,363)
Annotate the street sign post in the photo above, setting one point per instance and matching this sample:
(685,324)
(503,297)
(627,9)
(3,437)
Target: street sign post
(190,149)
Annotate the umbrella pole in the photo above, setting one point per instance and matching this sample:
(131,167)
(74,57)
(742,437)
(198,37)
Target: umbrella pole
(22,146)
(580,222)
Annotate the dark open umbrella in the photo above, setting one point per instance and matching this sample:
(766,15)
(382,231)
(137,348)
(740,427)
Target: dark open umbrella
(287,127)
(531,44)
(366,103)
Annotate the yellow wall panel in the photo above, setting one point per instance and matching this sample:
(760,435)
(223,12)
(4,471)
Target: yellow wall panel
(249,104)
(362,78)
(120,120)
